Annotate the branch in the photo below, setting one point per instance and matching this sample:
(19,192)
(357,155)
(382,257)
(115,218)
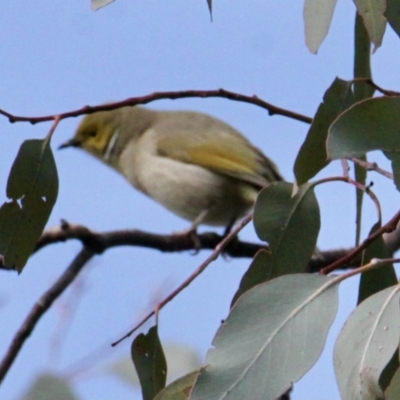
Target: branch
(173,95)
(41,306)
(214,255)
(389,227)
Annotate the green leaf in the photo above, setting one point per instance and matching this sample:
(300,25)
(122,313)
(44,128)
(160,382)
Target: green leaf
(97,4)
(365,345)
(271,338)
(393,14)
(289,224)
(258,272)
(372,13)
(362,90)
(312,156)
(380,278)
(180,360)
(50,387)
(179,389)
(317,20)
(393,390)
(151,367)
(369,125)
(32,187)
(394,157)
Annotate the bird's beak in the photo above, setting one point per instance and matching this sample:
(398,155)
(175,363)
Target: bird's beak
(70,143)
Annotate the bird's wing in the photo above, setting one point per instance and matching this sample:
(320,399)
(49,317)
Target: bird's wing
(217,147)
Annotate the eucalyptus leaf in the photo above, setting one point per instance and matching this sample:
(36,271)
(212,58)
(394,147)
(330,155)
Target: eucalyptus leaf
(32,187)
(372,13)
(372,124)
(394,157)
(179,389)
(97,4)
(366,344)
(317,20)
(149,360)
(273,335)
(393,14)
(312,156)
(377,279)
(290,225)
(393,390)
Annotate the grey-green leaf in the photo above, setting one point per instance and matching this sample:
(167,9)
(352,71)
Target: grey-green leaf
(393,390)
(32,187)
(179,389)
(394,157)
(151,366)
(50,387)
(372,13)
(97,4)
(377,279)
(317,19)
(365,345)
(393,14)
(290,225)
(271,338)
(312,156)
(259,271)
(372,124)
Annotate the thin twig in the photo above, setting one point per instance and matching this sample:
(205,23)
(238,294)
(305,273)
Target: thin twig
(370,82)
(372,166)
(172,95)
(217,251)
(389,227)
(41,306)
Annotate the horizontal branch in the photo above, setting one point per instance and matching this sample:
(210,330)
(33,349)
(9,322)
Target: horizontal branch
(172,95)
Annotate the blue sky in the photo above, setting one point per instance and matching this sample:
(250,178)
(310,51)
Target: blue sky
(58,56)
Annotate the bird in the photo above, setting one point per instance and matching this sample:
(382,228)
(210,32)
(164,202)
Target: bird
(195,165)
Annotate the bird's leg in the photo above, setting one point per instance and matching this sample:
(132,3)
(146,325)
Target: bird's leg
(229,227)
(192,230)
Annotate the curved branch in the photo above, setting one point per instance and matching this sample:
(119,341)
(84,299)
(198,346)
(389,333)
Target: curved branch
(172,95)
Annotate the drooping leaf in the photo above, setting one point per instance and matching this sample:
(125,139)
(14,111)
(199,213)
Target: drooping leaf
(273,335)
(290,225)
(317,20)
(393,14)
(32,187)
(312,156)
(372,13)
(151,367)
(365,345)
(369,125)
(179,389)
(375,280)
(97,4)
(394,157)
(362,90)
(50,387)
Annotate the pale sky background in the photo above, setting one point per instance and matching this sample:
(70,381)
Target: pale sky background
(60,55)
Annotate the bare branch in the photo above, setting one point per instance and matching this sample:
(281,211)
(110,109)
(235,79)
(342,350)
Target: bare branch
(372,166)
(173,95)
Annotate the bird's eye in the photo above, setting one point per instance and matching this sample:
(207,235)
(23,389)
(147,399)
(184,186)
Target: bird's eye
(92,133)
